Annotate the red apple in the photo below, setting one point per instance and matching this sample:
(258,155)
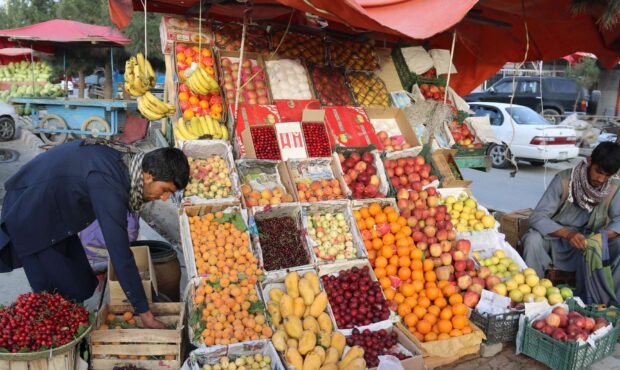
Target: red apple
(446,259)
(539,324)
(560,311)
(464,282)
(553,320)
(460,265)
(471,299)
(559,334)
(443,272)
(492,281)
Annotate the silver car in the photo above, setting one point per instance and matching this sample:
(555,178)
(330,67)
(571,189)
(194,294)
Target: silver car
(8,117)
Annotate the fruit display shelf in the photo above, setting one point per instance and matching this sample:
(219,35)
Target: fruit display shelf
(310,47)
(317,179)
(362,171)
(353,55)
(265,182)
(227,37)
(331,86)
(368,89)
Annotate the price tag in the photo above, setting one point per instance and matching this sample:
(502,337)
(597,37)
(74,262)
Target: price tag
(291,140)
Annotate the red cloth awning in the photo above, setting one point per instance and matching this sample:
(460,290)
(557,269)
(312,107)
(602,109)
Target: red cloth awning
(60,31)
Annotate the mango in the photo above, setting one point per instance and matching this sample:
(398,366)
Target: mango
(313,279)
(307,342)
(325,322)
(331,356)
(311,324)
(276,294)
(293,327)
(324,339)
(354,353)
(357,364)
(291,281)
(338,342)
(294,358)
(279,340)
(305,291)
(312,362)
(286,306)
(319,305)
(299,307)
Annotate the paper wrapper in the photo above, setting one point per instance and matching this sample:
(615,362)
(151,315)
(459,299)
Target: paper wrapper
(453,347)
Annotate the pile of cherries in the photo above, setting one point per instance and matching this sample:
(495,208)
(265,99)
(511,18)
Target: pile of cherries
(265,142)
(317,142)
(39,321)
(375,344)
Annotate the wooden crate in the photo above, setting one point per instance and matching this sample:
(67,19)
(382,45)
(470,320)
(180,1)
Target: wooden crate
(162,347)
(514,225)
(142,256)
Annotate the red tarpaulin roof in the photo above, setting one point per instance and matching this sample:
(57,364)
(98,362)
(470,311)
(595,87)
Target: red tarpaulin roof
(58,31)
(492,34)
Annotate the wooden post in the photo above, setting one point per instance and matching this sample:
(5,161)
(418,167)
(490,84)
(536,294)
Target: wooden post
(170,92)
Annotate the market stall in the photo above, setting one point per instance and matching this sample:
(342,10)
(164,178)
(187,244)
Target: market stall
(327,224)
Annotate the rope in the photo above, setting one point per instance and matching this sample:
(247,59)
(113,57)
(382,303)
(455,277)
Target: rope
(200,31)
(241,51)
(445,95)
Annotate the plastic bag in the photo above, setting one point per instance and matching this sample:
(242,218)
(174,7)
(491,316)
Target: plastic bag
(417,58)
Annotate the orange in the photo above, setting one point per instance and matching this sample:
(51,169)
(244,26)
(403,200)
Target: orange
(395,227)
(391,270)
(419,311)
(430,276)
(404,273)
(423,327)
(424,302)
(381,261)
(411,319)
(430,337)
(385,282)
(388,239)
(455,299)
(127,316)
(447,289)
(418,285)
(388,209)
(433,293)
(399,298)
(416,265)
(188,114)
(418,335)
(434,310)
(416,254)
(444,326)
(394,260)
(428,265)
(374,209)
(364,212)
(387,251)
(357,215)
(380,272)
(407,290)
(183,96)
(403,243)
(417,275)
(412,301)
(389,293)
(392,216)
(370,222)
(402,251)
(404,261)
(467,330)
(456,333)
(193,100)
(446,313)
(402,221)
(377,243)
(441,302)
(381,217)
(443,336)
(459,309)
(404,310)
(459,321)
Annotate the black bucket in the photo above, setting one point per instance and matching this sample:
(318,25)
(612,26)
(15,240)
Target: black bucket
(167,267)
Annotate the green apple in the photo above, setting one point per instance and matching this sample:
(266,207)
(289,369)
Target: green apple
(513,267)
(506,261)
(552,290)
(566,293)
(493,269)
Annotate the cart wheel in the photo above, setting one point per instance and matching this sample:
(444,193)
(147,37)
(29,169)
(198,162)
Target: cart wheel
(96,125)
(7,128)
(53,122)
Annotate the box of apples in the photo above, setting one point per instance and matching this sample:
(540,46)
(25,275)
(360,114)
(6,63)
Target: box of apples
(393,130)
(363,172)
(264,182)
(568,337)
(213,175)
(317,179)
(253,84)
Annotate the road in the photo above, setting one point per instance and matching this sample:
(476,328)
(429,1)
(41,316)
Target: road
(498,190)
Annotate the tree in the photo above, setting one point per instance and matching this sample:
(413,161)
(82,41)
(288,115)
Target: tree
(609,11)
(586,74)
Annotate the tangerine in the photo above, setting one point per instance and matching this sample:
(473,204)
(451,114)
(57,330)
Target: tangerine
(404,273)
(459,321)
(423,327)
(444,326)
(411,319)
(459,309)
(430,337)
(446,313)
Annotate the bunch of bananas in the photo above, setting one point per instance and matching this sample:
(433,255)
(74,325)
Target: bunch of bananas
(139,75)
(198,127)
(152,108)
(199,82)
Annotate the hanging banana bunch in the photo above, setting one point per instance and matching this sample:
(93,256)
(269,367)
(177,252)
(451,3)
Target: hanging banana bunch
(201,83)
(139,75)
(152,108)
(199,127)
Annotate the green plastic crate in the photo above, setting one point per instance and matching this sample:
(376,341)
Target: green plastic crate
(478,162)
(408,78)
(463,151)
(560,355)
(611,314)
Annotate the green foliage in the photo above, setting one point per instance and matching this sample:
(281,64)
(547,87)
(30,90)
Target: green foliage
(585,72)
(610,15)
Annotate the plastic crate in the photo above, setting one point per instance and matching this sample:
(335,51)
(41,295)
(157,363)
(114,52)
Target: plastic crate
(408,78)
(479,162)
(463,151)
(498,328)
(611,314)
(560,355)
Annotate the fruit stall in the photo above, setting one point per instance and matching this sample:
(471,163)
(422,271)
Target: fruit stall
(326,225)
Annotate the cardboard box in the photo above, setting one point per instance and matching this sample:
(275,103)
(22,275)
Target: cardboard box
(173,29)
(291,140)
(250,115)
(211,355)
(514,225)
(387,71)
(144,263)
(312,117)
(302,169)
(256,60)
(416,361)
(350,126)
(401,124)
(274,173)
(292,110)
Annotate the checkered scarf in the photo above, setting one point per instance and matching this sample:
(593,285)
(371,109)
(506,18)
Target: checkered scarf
(132,158)
(581,192)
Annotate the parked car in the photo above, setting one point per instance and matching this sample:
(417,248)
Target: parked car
(556,98)
(531,138)
(8,116)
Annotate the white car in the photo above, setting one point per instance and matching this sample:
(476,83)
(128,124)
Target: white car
(529,137)
(8,117)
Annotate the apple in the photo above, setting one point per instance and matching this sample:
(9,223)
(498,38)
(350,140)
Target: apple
(480,281)
(460,265)
(559,334)
(475,288)
(563,321)
(500,289)
(560,311)
(539,324)
(548,330)
(446,259)
(435,250)
(463,246)
(484,272)
(443,272)
(553,320)
(589,324)
(464,282)
(471,299)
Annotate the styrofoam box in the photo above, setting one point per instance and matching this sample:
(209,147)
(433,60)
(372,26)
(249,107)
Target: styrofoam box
(211,355)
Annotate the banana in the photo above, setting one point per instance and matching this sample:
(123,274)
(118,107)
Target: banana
(141,64)
(213,127)
(204,125)
(156,104)
(183,130)
(210,81)
(197,85)
(148,114)
(197,129)
(224,132)
(177,134)
(151,72)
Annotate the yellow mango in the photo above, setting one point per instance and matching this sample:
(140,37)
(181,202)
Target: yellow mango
(307,342)
(338,342)
(291,281)
(319,351)
(313,279)
(307,311)
(331,356)
(311,324)
(274,310)
(325,338)
(286,306)
(279,340)
(319,305)
(353,353)
(292,343)
(293,326)
(325,322)
(305,291)
(294,358)
(299,307)
(357,364)
(329,367)
(312,362)
(276,294)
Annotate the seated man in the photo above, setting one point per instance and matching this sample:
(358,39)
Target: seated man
(578,203)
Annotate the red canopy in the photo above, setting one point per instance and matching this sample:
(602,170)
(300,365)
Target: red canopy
(58,31)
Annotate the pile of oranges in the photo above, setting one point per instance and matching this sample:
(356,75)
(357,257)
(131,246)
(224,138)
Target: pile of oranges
(231,308)
(431,309)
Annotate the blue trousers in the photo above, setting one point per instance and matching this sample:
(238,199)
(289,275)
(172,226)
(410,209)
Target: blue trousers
(62,268)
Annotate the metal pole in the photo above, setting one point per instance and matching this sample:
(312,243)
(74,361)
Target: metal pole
(112,68)
(32,66)
(64,72)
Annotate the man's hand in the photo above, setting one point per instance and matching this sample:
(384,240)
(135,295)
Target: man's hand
(149,321)
(577,240)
